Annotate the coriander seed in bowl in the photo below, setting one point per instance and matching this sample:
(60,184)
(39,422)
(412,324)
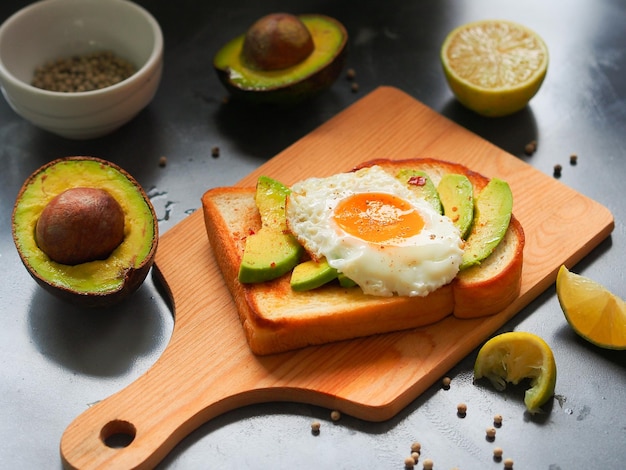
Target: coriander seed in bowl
(85,72)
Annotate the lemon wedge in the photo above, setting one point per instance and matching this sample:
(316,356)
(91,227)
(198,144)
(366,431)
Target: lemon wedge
(494,67)
(595,313)
(514,356)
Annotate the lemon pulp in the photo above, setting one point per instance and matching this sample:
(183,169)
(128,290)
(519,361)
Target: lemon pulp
(514,356)
(494,67)
(595,313)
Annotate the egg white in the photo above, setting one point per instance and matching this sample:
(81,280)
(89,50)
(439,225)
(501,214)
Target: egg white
(412,266)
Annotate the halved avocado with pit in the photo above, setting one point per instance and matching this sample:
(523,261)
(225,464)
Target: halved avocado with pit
(252,81)
(109,278)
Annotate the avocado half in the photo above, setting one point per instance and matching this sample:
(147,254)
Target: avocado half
(101,282)
(293,84)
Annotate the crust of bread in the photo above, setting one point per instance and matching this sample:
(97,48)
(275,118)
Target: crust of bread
(494,284)
(276,319)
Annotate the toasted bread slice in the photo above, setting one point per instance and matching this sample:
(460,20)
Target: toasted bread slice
(275,318)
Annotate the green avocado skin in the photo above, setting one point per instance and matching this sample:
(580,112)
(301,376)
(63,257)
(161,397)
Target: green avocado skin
(272,251)
(288,96)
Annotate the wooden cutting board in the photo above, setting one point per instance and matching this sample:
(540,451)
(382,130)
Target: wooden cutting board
(207,368)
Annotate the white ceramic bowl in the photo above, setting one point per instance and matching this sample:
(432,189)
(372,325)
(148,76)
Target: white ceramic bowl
(51,29)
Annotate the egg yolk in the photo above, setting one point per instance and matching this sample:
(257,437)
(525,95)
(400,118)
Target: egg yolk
(378,217)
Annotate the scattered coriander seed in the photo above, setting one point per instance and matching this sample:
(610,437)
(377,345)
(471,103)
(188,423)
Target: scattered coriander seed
(446,383)
(573,159)
(508,463)
(162,161)
(416,447)
(557,170)
(215,152)
(350,74)
(531,147)
(491,433)
(354,87)
(409,462)
(428,464)
(497,453)
(315,427)
(497,420)
(461,409)
(335,415)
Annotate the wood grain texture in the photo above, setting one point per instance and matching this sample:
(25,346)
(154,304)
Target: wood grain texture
(207,368)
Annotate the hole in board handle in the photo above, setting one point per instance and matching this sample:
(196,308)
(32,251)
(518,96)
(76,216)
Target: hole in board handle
(118,434)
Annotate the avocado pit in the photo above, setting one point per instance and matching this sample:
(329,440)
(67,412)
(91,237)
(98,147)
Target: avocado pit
(277,41)
(80,225)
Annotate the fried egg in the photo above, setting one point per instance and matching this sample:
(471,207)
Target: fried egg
(374,230)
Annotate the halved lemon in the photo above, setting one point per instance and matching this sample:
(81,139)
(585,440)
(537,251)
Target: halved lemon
(514,356)
(494,67)
(594,312)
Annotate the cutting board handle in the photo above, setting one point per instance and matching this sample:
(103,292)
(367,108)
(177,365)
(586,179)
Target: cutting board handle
(138,426)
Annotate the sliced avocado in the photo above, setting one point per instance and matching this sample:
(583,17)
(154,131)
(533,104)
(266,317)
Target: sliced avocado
(457,198)
(345,281)
(270,199)
(312,274)
(272,251)
(99,279)
(260,81)
(268,254)
(420,183)
(492,214)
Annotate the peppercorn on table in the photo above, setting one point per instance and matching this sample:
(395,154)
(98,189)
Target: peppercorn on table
(59,360)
